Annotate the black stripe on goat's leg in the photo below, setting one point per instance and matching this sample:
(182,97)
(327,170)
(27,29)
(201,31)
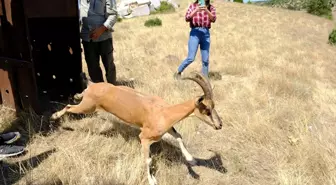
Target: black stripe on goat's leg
(190,159)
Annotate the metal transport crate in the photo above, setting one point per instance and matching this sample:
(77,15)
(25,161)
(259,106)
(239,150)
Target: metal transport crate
(40,53)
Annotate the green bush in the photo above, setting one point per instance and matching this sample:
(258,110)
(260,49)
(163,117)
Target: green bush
(316,7)
(332,3)
(153,22)
(164,7)
(332,37)
(238,1)
(319,8)
(288,4)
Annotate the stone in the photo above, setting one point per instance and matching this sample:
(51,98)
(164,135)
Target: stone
(140,11)
(124,11)
(215,75)
(174,3)
(155,3)
(151,7)
(172,58)
(135,8)
(143,2)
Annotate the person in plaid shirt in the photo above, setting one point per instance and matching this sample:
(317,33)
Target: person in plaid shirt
(200,19)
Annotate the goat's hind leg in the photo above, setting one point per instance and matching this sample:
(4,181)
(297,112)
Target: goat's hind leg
(145,145)
(85,107)
(190,159)
(78,96)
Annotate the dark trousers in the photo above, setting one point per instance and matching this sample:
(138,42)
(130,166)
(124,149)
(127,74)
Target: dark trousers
(92,52)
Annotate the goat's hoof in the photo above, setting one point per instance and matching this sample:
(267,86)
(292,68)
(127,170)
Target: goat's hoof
(152,181)
(53,117)
(77,97)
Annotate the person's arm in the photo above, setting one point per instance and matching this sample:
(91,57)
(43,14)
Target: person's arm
(111,19)
(212,13)
(111,13)
(190,13)
(79,10)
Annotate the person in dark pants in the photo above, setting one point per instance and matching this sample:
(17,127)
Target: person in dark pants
(98,18)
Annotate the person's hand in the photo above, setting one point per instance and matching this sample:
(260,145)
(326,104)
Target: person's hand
(194,11)
(200,8)
(197,9)
(98,32)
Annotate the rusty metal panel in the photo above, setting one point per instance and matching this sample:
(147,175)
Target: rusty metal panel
(8,9)
(1,43)
(1,11)
(27,89)
(50,8)
(6,90)
(6,62)
(40,73)
(16,45)
(1,40)
(20,78)
(56,56)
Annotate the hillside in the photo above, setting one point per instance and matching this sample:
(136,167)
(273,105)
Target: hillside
(277,98)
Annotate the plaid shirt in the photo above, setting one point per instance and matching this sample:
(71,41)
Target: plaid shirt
(201,18)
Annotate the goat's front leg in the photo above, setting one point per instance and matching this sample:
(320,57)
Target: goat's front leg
(85,107)
(145,143)
(190,159)
(60,113)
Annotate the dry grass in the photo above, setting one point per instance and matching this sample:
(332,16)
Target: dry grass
(277,98)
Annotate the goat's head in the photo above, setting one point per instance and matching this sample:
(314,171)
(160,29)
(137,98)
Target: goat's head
(205,106)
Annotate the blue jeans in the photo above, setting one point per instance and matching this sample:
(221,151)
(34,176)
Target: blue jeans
(198,36)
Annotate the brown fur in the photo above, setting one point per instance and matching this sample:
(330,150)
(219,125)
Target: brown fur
(151,114)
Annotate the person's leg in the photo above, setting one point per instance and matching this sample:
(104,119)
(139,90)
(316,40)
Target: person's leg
(92,60)
(192,50)
(205,51)
(106,51)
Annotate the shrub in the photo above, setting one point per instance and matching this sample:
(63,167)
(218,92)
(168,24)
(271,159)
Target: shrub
(288,4)
(319,8)
(238,1)
(164,7)
(331,3)
(316,7)
(153,22)
(332,37)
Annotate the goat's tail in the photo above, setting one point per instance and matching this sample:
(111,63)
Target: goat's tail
(85,81)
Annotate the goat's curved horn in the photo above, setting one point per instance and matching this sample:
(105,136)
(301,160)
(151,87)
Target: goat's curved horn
(205,80)
(194,77)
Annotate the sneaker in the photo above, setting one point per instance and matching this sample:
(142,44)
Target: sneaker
(177,75)
(10,150)
(9,137)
